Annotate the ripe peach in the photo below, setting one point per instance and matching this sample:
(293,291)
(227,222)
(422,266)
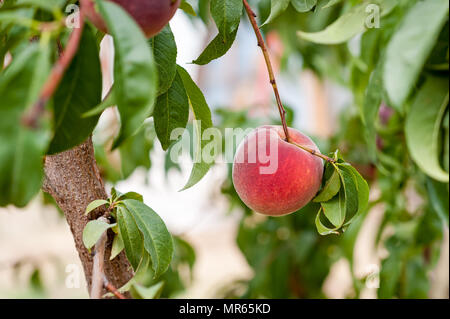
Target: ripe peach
(151,15)
(274,177)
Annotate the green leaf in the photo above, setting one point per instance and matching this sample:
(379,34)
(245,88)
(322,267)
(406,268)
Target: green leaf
(202,115)
(347,25)
(335,209)
(171,112)
(140,274)
(227,16)
(439,199)
(186,7)
(349,181)
(75,95)
(372,102)
(135,151)
(152,292)
(203,10)
(157,239)
(117,247)
(131,195)
(165,53)
(184,251)
(417,284)
(22,149)
(49,5)
(321,228)
(303,5)
(277,7)
(108,101)
(423,125)
(331,3)
(93,231)
(410,47)
(331,188)
(135,76)
(351,201)
(131,236)
(350,236)
(95,204)
(362,189)
(446,141)
(390,273)
(17,17)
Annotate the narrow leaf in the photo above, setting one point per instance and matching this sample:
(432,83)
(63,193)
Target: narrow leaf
(371,106)
(323,230)
(165,53)
(423,126)
(93,231)
(303,5)
(351,192)
(22,149)
(95,204)
(335,209)
(186,7)
(277,7)
(135,76)
(202,115)
(439,199)
(331,3)
(157,239)
(171,112)
(362,189)
(347,25)
(410,47)
(152,292)
(131,236)
(227,16)
(108,101)
(117,247)
(331,188)
(69,125)
(131,195)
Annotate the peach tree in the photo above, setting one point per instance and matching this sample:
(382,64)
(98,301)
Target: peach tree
(51,102)
(393,57)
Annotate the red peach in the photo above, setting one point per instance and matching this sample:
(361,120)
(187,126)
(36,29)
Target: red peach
(274,177)
(151,15)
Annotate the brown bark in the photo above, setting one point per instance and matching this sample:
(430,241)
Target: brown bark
(73,179)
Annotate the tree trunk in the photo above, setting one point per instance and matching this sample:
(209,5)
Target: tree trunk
(73,179)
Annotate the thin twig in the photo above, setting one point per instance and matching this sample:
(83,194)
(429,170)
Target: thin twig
(32,117)
(262,45)
(98,268)
(315,153)
(113,289)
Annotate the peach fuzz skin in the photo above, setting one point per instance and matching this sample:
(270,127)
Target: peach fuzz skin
(293,184)
(151,15)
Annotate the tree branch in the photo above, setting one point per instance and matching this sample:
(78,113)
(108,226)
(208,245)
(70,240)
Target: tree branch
(73,179)
(99,279)
(32,117)
(113,290)
(98,268)
(262,45)
(315,153)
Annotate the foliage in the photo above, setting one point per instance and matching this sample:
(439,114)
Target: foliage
(399,80)
(397,139)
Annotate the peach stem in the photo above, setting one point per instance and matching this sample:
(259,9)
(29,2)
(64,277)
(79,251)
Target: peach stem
(262,45)
(314,152)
